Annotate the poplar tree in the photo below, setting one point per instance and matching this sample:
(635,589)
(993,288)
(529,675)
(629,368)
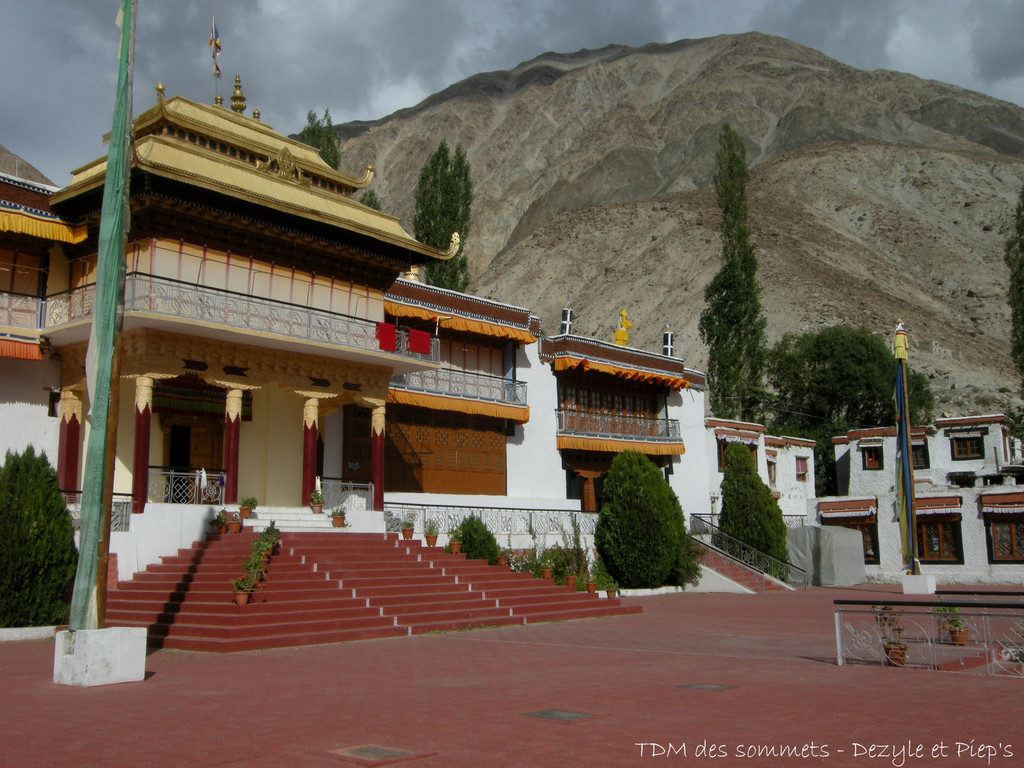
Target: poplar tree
(732,324)
(370,200)
(319,133)
(444,196)
(1015,291)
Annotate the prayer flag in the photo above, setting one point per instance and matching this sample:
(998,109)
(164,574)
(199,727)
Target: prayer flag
(214,45)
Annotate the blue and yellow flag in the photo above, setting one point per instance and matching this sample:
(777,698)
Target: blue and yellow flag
(214,45)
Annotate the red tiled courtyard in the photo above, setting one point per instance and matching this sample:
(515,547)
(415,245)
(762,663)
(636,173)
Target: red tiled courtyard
(722,672)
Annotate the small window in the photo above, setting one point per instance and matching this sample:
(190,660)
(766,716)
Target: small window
(939,541)
(872,455)
(1006,541)
(966,447)
(801,469)
(771,473)
(919,454)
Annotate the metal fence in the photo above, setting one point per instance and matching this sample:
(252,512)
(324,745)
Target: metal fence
(791,521)
(638,427)
(186,486)
(351,497)
(19,311)
(501,521)
(951,635)
(451,381)
(120,509)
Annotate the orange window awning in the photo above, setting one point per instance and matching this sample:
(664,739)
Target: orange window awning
(848,508)
(611,445)
(14,218)
(20,350)
(623,372)
(458,323)
(519,414)
(937,505)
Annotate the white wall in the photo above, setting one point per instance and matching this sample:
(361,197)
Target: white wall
(26,385)
(160,531)
(690,472)
(533,464)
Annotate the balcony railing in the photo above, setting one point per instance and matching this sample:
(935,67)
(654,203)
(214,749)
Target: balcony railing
(168,485)
(341,494)
(457,383)
(619,426)
(120,509)
(189,302)
(19,311)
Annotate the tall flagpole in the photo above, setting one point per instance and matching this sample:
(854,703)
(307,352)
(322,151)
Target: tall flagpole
(904,459)
(86,600)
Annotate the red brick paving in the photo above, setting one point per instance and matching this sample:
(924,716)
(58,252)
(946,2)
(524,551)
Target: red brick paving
(460,699)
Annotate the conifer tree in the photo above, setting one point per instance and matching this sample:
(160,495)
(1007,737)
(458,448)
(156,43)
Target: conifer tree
(1015,291)
(370,200)
(37,569)
(749,511)
(319,133)
(732,324)
(444,196)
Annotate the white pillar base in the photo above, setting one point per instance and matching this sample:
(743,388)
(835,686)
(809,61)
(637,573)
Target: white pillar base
(918,585)
(91,657)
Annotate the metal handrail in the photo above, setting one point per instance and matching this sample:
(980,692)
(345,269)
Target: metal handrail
(341,494)
(120,509)
(188,301)
(617,425)
(18,310)
(791,521)
(452,381)
(174,485)
(715,538)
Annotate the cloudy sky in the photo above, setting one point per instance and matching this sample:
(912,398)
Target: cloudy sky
(363,59)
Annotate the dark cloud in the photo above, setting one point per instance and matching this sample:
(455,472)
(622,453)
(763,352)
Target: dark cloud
(363,60)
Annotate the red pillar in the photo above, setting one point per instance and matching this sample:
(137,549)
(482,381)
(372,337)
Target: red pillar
(310,418)
(140,459)
(70,443)
(377,456)
(232,430)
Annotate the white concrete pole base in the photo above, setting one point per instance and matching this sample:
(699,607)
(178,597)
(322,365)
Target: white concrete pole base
(91,657)
(918,585)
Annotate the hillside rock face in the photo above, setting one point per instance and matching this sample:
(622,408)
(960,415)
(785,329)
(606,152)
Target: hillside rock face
(874,196)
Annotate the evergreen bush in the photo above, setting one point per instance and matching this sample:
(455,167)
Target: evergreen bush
(478,543)
(38,567)
(749,512)
(640,530)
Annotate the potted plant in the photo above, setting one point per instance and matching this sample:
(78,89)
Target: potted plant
(430,532)
(316,502)
(255,564)
(951,622)
(605,583)
(219,523)
(235,523)
(890,627)
(247,506)
(407,524)
(244,586)
(455,540)
(338,517)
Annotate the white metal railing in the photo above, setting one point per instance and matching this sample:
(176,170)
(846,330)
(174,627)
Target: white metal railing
(120,509)
(989,634)
(187,301)
(341,494)
(791,521)
(185,486)
(616,425)
(450,381)
(19,311)
(501,521)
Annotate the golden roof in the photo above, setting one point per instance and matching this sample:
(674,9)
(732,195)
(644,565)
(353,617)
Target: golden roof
(214,148)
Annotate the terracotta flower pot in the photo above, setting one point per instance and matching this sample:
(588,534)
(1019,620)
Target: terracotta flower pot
(502,561)
(570,581)
(235,526)
(407,533)
(958,635)
(431,539)
(456,547)
(245,512)
(317,508)
(338,521)
(611,593)
(241,598)
(592,587)
(895,655)
(545,573)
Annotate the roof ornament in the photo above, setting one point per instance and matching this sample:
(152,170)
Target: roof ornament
(367,176)
(454,247)
(159,93)
(238,98)
(668,346)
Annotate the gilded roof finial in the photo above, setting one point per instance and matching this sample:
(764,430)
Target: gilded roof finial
(159,93)
(237,98)
(218,100)
(256,114)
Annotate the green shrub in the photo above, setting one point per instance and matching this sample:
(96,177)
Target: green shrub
(38,567)
(749,512)
(640,529)
(478,543)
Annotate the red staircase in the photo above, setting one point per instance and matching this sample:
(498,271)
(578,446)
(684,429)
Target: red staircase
(333,587)
(731,569)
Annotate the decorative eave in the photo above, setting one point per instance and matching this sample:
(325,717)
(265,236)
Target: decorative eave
(742,426)
(567,352)
(784,441)
(848,508)
(461,312)
(970,421)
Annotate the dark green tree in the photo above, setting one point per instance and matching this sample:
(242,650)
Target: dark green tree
(478,543)
(830,381)
(370,200)
(1015,291)
(37,569)
(444,197)
(731,323)
(749,511)
(319,133)
(640,532)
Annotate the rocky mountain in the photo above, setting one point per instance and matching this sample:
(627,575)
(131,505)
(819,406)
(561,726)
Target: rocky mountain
(874,196)
(13,165)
